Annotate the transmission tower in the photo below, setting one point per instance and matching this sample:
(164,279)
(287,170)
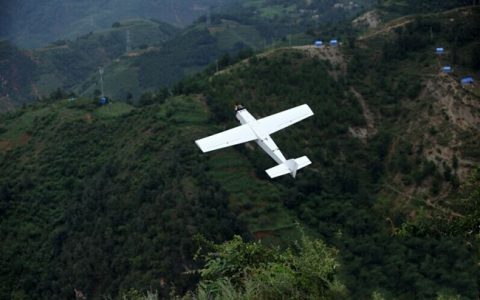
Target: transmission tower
(128,42)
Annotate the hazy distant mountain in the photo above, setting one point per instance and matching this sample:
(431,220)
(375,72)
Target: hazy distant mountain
(162,54)
(30,23)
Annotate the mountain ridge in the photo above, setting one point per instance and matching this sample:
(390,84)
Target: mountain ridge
(245,25)
(32,25)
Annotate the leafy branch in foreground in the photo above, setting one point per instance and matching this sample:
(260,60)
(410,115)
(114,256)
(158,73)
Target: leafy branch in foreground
(252,270)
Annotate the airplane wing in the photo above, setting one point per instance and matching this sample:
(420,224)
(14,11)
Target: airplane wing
(231,137)
(285,118)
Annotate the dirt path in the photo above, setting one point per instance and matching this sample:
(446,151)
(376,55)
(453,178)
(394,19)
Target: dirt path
(370,19)
(429,202)
(409,19)
(388,28)
(367,114)
(52,48)
(333,54)
(370,130)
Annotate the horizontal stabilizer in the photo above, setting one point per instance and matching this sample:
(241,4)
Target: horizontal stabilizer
(278,171)
(289,167)
(302,162)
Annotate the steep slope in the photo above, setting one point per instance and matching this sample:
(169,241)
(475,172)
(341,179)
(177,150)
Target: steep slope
(16,76)
(67,64)
(161,65)
(279,18)
(99,187)
(396,8)
(436,118)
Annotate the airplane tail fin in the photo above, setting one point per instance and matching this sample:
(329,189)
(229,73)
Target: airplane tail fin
(290,166)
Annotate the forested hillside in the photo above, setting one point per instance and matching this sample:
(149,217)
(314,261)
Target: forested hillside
(16,74)
(161,65)
(403,7)
(66,65)
(160,55)
(113,201)
(33,24)
(239,27)
(85,199)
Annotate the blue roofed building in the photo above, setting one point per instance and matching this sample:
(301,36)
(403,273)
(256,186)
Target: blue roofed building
(467,80)
(447,69)
(103,101)
(333,43)
(440,50)
(318,44)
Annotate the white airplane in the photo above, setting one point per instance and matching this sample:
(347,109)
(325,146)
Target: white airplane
(259,131)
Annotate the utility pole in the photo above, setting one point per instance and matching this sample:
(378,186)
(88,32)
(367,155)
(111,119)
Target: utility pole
(100,70)
(209,17)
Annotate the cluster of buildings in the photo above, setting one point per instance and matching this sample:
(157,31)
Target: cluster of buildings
(320,44)
(465,81)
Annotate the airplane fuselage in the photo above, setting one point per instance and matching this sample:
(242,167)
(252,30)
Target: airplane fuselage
(263,139)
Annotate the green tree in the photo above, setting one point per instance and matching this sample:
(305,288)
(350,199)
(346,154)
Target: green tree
(252,270)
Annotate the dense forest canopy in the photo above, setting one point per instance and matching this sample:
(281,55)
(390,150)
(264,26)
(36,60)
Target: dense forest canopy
(116,201)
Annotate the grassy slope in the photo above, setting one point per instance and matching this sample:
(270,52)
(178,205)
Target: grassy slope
(69,64)
(161,66)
